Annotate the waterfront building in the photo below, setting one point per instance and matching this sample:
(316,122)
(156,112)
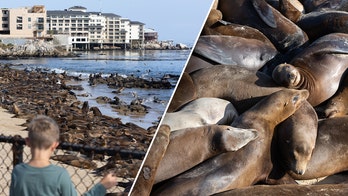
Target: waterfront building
(84,30)
(95,29)
(25,22)
(150,35)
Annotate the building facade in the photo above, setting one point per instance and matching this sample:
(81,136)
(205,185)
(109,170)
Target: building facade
(94,29)
(24,22)
(150,35)
(85,30)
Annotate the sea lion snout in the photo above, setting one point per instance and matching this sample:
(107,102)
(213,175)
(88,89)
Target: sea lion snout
(286,75)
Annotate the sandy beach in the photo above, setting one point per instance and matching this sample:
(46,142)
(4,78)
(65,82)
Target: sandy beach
(9,125)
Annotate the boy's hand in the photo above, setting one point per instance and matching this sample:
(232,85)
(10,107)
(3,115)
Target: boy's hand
(109,181)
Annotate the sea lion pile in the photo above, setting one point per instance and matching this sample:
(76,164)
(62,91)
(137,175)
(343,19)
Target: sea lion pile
(28,93)
(283,66)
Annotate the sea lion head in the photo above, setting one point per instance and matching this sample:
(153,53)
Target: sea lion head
(286,75)
(334,108)
(299,155)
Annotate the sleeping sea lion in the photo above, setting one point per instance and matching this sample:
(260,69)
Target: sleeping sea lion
(191,146)
(235,51)
(318,68)
(248,165)
(202,111)
(283,33)
(330,155)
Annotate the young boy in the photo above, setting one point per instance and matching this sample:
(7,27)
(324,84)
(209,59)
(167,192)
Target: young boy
(39,176)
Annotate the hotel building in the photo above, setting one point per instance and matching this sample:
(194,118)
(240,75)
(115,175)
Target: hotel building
(84,29)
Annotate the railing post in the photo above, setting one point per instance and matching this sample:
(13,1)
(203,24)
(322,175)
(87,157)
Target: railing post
(17,150)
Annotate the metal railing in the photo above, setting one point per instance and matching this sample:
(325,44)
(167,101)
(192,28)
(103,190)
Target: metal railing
(13,151)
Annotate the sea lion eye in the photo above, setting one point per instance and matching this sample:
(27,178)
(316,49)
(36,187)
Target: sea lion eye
(295,99)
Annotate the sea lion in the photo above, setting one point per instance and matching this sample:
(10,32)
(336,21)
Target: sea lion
(320,23)
(191,146)
(248,165)
(338,104)
(291,9)
(214,25)
(242,87)
(330,155)
(289,190)
(202,111)
(146,175)
(296,138)
(318,68)
(235,51)
(317,5)
(197,62)
(283,33)
(184,93)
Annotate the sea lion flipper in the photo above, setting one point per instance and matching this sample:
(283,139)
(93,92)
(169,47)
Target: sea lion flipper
(265,12)
(210,46)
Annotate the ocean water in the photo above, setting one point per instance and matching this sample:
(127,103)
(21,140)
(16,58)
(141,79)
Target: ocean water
(143,63)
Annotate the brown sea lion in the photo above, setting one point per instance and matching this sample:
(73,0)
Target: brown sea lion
(248,165)
(338,104)
(214,25)
(291,9)
(235,51)
(146,175)
(184,93)
(289,190)
(191,146)
(283,33)
(201,111)
(318,68)
(296,138)
(197,62)
(317,5)
(320,23)
(330,155)
(242,87)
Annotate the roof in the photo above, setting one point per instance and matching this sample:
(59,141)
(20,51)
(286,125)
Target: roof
(137,22)
(77,7)
(150,31)
(65,13)
(73,13)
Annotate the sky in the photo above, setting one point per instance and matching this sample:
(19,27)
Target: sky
(177,20)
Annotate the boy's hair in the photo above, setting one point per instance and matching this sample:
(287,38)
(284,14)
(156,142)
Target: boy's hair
(43,131)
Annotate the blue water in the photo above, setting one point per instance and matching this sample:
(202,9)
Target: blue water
(146,64)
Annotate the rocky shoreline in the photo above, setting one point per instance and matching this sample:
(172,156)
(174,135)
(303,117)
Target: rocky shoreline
(28,93)
(33,48)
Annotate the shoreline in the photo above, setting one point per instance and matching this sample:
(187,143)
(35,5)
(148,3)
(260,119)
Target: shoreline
(25,94)
(10,125)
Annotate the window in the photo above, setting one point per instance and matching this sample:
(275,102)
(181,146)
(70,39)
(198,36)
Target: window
(4,18)
(40,20)
(40,27)
(4,25)
(29,19)
(29,26)
(4,11)
(19,26)
(19,19)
